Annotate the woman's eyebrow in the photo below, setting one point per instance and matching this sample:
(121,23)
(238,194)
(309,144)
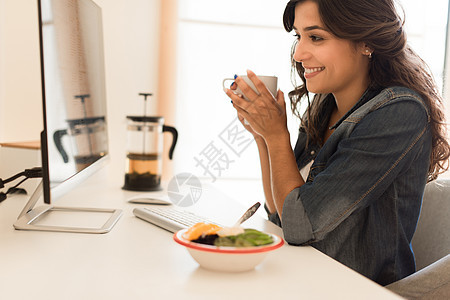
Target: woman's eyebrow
(309,28)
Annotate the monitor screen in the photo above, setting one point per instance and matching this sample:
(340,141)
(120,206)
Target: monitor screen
(74,140)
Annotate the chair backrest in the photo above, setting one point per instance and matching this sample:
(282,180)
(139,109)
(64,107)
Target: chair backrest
(431,240)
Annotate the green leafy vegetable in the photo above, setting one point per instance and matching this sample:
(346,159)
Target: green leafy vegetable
(250,238)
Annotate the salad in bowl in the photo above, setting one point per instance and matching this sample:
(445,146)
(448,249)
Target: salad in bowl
(229,249)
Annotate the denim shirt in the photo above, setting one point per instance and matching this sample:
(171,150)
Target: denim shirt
(362,199)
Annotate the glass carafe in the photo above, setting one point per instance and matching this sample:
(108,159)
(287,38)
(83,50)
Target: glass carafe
(88,141)
(144,163)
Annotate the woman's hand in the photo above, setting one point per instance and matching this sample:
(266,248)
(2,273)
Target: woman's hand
(247,126)
(241,118)
(265,114)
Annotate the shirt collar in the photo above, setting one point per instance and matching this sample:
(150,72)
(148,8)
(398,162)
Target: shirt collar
(367,95)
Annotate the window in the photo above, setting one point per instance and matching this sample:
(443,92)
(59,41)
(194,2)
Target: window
(426,28)
(216,41)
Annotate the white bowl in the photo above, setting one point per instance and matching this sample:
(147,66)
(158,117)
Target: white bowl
(227,259)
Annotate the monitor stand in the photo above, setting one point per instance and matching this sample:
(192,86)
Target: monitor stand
(30,216)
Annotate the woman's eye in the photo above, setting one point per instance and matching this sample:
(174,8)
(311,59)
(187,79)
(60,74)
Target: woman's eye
(316,38)
(297,36)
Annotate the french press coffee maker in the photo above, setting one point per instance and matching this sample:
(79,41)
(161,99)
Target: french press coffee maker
(145,150)
(88,140)
(87,137)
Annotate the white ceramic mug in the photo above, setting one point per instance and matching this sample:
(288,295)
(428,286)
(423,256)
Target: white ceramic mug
(271,83)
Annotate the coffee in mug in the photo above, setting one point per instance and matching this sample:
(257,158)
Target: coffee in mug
(271,83)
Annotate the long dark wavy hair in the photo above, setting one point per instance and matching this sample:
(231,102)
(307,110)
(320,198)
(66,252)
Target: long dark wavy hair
(393,63)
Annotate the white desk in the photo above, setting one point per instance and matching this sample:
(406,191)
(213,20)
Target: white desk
(137,260)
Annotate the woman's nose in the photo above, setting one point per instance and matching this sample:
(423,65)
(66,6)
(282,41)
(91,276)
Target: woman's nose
(299,52)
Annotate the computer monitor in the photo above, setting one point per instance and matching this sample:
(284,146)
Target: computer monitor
(74,142)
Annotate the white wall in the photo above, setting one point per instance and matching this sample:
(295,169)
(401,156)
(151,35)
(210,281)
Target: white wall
(20,92)
(131,34)
(131,42)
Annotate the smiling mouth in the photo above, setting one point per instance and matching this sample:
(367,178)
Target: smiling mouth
(313,70)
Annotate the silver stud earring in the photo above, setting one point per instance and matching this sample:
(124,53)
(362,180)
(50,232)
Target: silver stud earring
(369,54)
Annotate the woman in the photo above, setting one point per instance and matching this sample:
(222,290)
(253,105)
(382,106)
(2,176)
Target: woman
(370,139)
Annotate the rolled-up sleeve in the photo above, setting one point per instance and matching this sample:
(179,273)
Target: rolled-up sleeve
(296,223)
(273,217)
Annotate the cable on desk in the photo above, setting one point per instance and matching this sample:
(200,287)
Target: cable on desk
(27,173)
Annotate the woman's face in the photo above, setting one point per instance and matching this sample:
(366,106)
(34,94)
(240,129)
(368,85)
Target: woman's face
(331,65)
